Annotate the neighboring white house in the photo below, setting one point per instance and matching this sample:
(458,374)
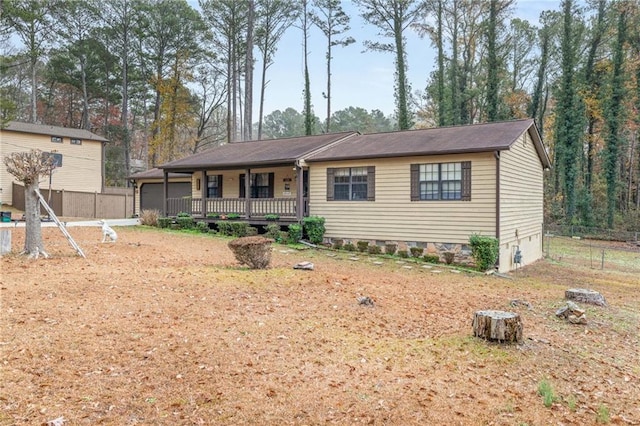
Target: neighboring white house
(79,155)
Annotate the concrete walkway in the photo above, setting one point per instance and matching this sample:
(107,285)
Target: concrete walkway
(88,222)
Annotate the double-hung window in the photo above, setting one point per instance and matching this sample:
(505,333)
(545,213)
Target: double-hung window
(261,185)
(441,181)
(351,184)
(214,186)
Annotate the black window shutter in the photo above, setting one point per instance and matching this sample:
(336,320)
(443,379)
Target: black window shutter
(242,191)
(371,183)
(466,181)
(219,186)
(271,185)
(330,183)
(415,182)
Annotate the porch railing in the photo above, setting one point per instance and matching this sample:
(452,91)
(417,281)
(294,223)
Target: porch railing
(284,207)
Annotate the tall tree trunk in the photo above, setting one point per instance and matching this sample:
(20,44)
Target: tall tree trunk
(85,97)
(404,120)
(614,120)
(441,106)
(535,107)
(455,115)
(308,116)
(329,85)
(33,245)
(263,86)
(590,81)
(248,78)
(492,64)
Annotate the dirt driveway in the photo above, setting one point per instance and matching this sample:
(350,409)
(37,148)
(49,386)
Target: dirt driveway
(165,328)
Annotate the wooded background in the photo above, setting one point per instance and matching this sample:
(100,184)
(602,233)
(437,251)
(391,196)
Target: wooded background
(162,79)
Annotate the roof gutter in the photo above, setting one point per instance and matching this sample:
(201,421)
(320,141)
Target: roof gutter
(496,154)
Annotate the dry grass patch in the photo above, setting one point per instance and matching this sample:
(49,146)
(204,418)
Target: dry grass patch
(167,328)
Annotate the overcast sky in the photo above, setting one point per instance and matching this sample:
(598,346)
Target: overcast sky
(362,79)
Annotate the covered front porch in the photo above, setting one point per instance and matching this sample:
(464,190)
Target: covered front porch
(276,193)
(255,210)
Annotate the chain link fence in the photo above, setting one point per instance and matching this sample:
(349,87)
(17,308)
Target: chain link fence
(593,248)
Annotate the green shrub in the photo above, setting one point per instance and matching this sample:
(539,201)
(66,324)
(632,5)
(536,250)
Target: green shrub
(390,248)
(362,246)
(235,229)
(272,217)
(484,251)
(233,216)
(224,228)
(416,251)
(337,244)
(449,257)
(431,258)
(202,226)
(374,249)
(403,254)
(213,215)
(272,231)
(294,233)
(349,247)
(183,214)
(164,222)
(240,229)
(184,222)
(314,229)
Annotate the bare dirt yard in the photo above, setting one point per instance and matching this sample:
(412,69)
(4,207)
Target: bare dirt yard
(165,328)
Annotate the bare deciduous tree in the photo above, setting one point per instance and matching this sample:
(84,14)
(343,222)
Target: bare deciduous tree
(28,167)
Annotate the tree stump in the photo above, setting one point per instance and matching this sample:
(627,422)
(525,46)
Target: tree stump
(498,325)
(585,296)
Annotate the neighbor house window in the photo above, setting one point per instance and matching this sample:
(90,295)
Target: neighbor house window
(351,184)
(76,141)
(56,139)
(441,181)
(214,186)
(261,185)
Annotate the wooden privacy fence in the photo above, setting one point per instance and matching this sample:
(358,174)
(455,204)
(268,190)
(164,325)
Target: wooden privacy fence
(83,204)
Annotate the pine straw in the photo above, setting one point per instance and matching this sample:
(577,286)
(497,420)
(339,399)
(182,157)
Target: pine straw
(166,329)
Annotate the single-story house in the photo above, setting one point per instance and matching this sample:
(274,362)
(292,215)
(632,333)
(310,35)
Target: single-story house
(430,188)
(79,156)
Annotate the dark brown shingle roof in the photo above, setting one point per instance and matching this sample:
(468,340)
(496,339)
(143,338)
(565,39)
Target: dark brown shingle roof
(156,173)
(44,129)
(443,140)
(255,153)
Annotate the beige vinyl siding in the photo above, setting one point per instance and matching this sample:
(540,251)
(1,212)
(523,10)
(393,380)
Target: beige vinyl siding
(394,217)
(521,203)
(81,164)
(231,181)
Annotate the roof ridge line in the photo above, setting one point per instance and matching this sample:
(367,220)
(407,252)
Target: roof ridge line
(327,146)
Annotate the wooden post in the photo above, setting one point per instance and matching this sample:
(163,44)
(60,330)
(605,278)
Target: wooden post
(498,325)
(5,241)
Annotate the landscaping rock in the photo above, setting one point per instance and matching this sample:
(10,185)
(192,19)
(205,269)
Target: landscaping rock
(365,301)
(305,266)
(585,296)
(572,313)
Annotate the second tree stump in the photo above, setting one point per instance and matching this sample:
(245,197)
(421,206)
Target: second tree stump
(498,325)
